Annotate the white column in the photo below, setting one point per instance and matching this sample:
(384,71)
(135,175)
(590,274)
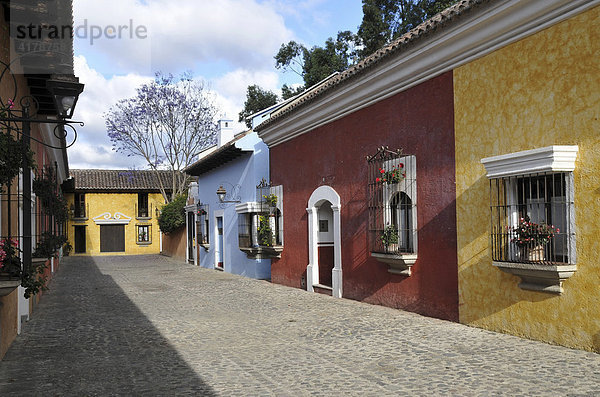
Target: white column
(336,274)
(196,242)
(254,222)
(312,270)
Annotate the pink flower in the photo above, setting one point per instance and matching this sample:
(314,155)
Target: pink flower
(11,104)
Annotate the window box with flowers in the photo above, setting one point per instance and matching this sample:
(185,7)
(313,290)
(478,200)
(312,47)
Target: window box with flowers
(533,216)
(393,209)
(260,224)
(10,266)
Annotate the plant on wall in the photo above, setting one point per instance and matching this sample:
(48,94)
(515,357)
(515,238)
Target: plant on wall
(395,175)
(48,244)
(389,236)
(11,154)
(172,216)
(271,199)
(10,263)
(33,279)
(530,234)
(265,233)
(53,202)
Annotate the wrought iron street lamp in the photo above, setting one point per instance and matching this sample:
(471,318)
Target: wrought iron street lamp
(65,91)
(222,194)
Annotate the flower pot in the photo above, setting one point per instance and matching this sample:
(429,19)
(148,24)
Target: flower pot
(533,254)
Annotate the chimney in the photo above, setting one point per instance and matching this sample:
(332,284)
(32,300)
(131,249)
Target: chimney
(225,133)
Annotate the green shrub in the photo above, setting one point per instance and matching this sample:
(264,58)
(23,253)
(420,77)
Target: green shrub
(172,216)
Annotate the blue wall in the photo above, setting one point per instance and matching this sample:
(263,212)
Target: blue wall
(246,172)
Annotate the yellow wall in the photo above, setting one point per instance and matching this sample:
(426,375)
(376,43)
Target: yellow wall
(541,91)
(125,203)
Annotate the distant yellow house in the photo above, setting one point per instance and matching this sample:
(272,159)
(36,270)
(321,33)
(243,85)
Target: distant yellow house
(114,212)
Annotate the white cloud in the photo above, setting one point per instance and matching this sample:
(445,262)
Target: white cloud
(231,90)
(90,155)
(93,148)
(183,34)
(92,145)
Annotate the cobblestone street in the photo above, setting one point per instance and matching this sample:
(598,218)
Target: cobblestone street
(147,325)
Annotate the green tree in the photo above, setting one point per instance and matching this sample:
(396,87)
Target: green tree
(287,92)
(315,64)
(385,20)
(172,215)
(257,99)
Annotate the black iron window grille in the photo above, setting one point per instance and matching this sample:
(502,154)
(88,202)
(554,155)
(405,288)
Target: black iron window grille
(392,195)
(143,210)
(144,233)
(268,221)
(79,210)
(202,226)
(532,218)
(245,230)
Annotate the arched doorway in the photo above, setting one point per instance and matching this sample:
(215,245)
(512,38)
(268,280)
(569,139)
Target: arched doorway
(324,241)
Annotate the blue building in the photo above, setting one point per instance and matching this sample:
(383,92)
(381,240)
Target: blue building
(234,218)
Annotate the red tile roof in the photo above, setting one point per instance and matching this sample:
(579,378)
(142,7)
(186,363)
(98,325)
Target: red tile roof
(120,180)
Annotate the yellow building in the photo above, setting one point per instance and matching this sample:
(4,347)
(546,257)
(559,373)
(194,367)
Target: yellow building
(114,212)
(528,155)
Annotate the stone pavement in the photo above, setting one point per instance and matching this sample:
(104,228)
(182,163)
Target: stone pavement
(147,325)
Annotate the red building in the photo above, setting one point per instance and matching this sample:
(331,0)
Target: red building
(360,221)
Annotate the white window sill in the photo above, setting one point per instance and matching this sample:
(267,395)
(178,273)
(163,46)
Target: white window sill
(397,263)
(263,252)
(8,284)
(538,277)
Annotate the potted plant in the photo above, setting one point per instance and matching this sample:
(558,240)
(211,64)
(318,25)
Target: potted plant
(531,238)
(10,263)
(389,238)
(394,175)
(10,266)
(271,199)
(265,233)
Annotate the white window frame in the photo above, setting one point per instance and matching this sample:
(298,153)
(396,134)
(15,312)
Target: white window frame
(527,163)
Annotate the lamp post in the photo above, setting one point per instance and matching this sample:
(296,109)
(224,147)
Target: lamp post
(65,92)
(222,194)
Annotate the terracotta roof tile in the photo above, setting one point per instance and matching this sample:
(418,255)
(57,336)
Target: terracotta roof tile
(119,180)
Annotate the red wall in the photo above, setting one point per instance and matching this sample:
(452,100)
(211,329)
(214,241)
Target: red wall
(419,120)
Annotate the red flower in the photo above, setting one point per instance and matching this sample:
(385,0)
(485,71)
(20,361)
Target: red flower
(401,165)
(382,171)
(377,180)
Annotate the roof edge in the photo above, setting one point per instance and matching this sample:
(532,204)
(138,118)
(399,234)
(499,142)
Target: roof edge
(478,28)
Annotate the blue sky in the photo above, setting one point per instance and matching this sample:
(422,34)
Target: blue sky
(228,43)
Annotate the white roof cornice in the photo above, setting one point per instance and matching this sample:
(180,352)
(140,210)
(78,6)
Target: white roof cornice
(483,30)
(547,159)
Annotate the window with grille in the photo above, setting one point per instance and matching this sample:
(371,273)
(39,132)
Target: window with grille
(144,234)
(203,233)
(80,210)
(392,190)
(245,230)
(532,217)
(142,207)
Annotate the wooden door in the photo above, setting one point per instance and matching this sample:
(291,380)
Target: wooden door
(80,239)
(112,238)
